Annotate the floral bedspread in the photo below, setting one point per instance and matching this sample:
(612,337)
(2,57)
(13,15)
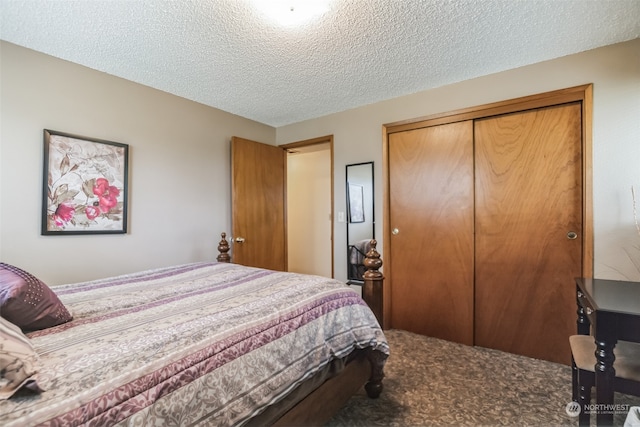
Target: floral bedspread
(196,344)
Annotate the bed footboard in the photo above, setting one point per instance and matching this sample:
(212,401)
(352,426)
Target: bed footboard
(325,401)
(364,367)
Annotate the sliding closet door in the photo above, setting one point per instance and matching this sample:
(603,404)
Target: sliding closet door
(431,217)
(528,230)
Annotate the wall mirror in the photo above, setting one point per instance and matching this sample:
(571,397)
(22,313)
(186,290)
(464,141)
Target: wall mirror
(360,218)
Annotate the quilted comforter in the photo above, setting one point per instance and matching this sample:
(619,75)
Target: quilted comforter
(196,344)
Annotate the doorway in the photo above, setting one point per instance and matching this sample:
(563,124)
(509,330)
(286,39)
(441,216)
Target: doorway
(309,206)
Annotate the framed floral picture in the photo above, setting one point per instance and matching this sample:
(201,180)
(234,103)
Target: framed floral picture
(85,185)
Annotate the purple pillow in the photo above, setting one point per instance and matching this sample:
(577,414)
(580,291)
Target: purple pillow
(27,302)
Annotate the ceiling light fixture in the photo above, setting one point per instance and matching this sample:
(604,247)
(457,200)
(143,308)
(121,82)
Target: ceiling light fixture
(292,12)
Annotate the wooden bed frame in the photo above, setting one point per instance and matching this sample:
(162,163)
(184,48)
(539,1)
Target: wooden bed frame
(363,367)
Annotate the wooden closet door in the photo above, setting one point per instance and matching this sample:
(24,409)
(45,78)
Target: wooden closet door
(258,182)
(431,215)
(528,198)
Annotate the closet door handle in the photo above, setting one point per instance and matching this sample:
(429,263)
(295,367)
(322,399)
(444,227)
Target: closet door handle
(572,235)
(239,239)
(395,231)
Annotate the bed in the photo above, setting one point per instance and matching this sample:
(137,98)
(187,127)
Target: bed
(209,343)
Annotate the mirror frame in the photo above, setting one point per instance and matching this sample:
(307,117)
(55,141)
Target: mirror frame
(350,279)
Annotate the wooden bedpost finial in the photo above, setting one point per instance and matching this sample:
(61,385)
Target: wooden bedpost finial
(372,262)
(373,282)
(223,248)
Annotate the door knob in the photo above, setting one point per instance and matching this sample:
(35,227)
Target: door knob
(572,235)
(395,231)
(239,239)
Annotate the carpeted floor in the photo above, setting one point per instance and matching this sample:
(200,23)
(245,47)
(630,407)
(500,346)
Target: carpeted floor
(432,382)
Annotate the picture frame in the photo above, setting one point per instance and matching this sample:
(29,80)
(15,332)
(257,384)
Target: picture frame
(356,203)
(85,185)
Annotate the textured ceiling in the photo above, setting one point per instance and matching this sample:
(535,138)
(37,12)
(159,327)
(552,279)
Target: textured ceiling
(229,55)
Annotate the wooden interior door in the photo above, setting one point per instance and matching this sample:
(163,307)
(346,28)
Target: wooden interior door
(528,198)
(431,217)
(258,181)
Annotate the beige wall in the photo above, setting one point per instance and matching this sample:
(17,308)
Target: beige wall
(179,157)
(615,73)
(179,168)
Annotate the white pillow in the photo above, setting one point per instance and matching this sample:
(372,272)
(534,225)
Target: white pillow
(18,360)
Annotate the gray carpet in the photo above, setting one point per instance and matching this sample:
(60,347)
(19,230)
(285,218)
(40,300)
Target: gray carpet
(432,382)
